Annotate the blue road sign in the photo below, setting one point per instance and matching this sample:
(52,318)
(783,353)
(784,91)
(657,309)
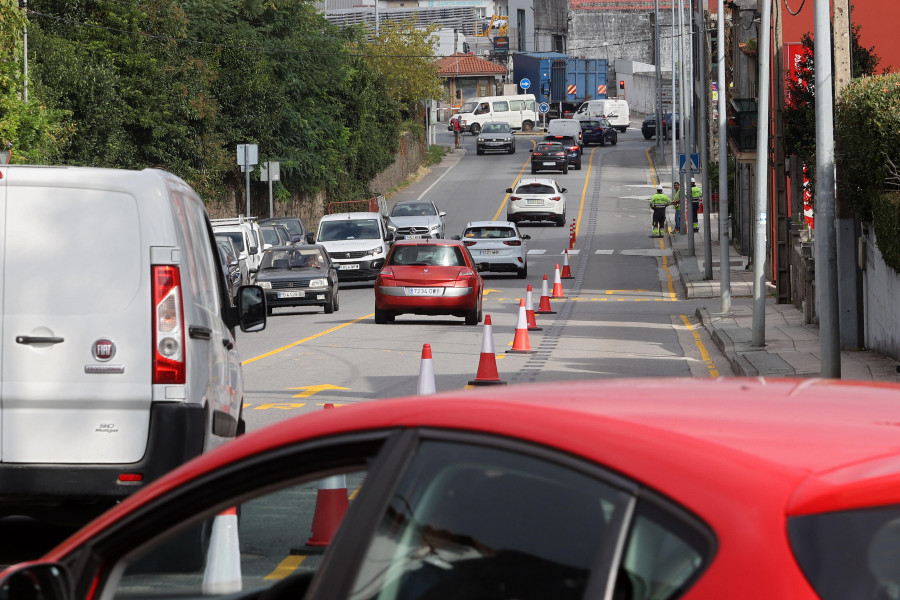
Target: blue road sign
(544,108)
(525,83)
(695,160)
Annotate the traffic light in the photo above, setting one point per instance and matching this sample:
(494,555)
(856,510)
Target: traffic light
(622,84)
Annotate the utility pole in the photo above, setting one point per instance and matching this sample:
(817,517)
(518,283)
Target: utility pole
(762,178)
(25,52)
(847,228)
(782,214)
(826,253)
(724,239)
(656,59)
(704,148)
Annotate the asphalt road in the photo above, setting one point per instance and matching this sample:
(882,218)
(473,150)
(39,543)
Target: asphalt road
(622,315)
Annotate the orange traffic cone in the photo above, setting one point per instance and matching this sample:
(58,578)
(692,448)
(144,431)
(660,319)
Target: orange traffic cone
(487,364)
(529,310)
(557,285)
(566,271)
(572,235)
(331,505)
(426,372)
(520,341)
(222,574)
(544,306)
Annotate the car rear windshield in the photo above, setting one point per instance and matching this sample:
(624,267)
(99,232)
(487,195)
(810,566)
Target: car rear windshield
(850,554)
(589,124)
(550,147)
(293,226)
(294,258)
(489,232)
(428,255)
(496,128)
(359,229)
(535,188)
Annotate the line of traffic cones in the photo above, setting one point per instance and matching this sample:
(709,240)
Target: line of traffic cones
(572,235)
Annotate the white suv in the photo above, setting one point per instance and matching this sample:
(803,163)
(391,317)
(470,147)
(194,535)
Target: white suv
(118,359)
(357,243)
(537,199)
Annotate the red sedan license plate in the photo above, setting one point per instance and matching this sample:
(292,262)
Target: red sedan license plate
(427,291)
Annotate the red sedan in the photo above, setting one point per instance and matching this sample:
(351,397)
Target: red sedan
(429,277)
(630,489)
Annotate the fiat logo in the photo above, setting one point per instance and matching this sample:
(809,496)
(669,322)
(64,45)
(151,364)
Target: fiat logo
(104,350)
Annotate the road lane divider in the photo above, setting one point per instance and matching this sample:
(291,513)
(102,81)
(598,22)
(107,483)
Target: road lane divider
(306,339)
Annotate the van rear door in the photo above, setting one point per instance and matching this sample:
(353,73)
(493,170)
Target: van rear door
(75,360)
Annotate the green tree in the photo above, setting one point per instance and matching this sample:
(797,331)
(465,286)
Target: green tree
(404,57)
(33,131)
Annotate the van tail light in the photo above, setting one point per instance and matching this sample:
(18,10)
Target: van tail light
(556,198)
(513,243)
(168,326)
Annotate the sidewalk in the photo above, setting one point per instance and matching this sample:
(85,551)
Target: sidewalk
(792,348)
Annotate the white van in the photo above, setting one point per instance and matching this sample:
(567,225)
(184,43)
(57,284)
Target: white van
(118,359)
(616,112)
(247,237)
(519,111)
(357,242)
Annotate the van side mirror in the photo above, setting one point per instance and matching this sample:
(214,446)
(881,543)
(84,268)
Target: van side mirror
(254,249)
(310,237)
(251,308)
(41,581)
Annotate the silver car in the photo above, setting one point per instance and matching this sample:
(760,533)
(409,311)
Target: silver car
(498,246)
(415,220)
(496,135)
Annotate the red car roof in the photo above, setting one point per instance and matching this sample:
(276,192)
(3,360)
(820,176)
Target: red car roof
(719,447)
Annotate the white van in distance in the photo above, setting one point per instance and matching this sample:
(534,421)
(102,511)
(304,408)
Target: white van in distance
(615,111)
(356,242)
(118,354)
(519,111)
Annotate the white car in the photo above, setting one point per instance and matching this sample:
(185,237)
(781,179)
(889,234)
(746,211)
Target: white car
(537,199)
(416,220)
(497,246)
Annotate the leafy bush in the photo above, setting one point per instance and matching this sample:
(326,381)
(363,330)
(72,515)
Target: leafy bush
(886,221)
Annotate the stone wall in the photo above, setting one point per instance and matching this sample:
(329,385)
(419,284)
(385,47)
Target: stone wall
(310,208)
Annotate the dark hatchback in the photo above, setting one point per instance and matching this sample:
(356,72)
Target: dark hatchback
(572,146)
(598,131)
(549,156)
(298,276)
(648,127)
(294,226)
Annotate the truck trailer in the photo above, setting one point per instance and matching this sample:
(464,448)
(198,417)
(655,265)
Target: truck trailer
(562,81)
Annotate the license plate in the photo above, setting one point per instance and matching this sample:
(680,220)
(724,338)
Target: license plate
(549,164)
(292,294)
(495,143)
(350,267)
(413,237)
(428,291)
(483,252)
(534,202)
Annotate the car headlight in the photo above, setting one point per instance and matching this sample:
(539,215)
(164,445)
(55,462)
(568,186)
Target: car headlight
(480,139)
(435,227)
(266,285)
(318,282)
(392,228)
(374,251)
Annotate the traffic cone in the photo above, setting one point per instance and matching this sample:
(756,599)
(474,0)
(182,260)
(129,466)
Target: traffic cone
(222,574)
(487,363)
(426,372)
(529,310)
(332,503)
(566,271)
(557,286)
(544,306)
(520,341)
(572,235)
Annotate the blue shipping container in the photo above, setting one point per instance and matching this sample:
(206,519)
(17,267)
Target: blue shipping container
(559,78)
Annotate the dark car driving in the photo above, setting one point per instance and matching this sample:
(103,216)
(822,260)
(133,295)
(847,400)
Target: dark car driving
(496,136)
(549,156)
(572,147)
(298,276)
(648,127)
(598,131)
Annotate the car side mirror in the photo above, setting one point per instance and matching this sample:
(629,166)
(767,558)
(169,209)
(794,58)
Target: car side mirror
(253,270)
(531,149)
(37,581)
(442,214)
(389,237)
(251,308)
(525,236)
(254,249)
(455,237)
(310,237)
(509,190)
(563,190)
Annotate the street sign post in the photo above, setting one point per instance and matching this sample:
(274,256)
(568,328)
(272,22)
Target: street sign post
(270,171)
(544,108)
(247,158)
(524,83)
(695,160)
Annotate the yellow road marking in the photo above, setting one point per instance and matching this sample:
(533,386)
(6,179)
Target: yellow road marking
(279,405)
(704,355)
(315,389)
(286,567)
(306,339)
(584,192)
